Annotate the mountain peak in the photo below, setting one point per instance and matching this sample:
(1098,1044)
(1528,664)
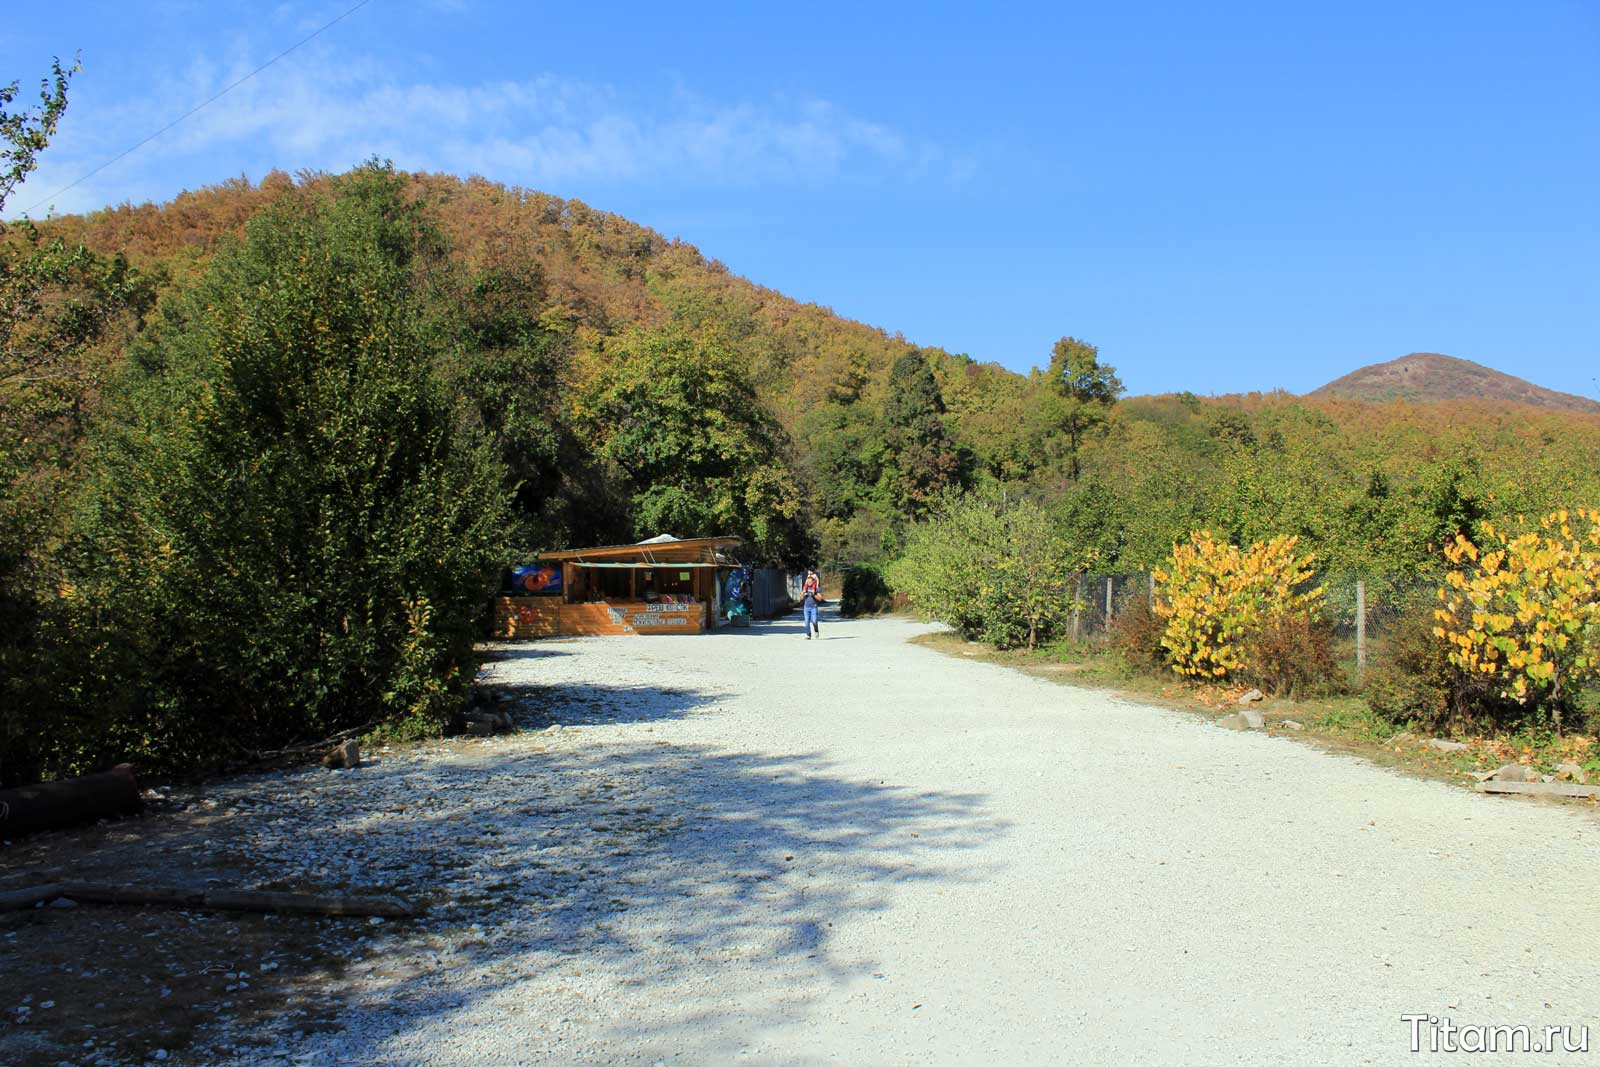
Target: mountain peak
(1430,376)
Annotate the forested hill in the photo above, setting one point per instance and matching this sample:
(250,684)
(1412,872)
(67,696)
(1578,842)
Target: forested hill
(592,273)
(1430,376)
(636,387)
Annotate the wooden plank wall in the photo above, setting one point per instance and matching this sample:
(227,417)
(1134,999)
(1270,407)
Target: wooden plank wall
(526,618)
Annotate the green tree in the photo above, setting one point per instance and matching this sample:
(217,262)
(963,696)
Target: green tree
(994,567)
(64,312)
(696,449)
(510,363)
(1084,391)
(845,453)
(923,459)
(1448,500)
(292,533)
(24,134)
(1091,519)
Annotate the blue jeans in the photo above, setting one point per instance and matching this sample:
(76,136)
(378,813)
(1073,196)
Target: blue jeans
(811,619)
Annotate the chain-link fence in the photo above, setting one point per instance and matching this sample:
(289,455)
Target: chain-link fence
(1364,610)
(1100,598)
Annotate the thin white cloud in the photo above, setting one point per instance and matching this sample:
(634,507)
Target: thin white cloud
(327,112)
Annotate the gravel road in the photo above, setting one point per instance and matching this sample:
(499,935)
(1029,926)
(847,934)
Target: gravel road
(750,848)
(857,850)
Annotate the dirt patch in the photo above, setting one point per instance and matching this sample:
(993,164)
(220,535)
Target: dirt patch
(118,985)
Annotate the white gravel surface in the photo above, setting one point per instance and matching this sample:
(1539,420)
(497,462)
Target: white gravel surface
(750,848)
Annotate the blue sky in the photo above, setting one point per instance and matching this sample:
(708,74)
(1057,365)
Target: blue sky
(1223,197)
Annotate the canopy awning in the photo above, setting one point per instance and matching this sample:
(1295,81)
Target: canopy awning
(640,566)
(708,551)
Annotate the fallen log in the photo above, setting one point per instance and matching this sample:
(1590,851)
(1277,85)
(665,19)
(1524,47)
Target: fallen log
(212,900)
(313,746)
(311,904)
(92,893)
(1545,789)
(52,805)
(17,899)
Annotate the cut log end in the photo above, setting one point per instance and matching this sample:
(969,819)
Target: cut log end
(344,755)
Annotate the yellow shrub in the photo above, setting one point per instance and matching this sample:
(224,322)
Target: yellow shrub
(1213,595)
(1522,611)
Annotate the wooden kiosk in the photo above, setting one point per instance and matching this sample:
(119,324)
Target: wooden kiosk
(661,586)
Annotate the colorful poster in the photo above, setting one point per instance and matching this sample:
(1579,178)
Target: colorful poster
(536,580)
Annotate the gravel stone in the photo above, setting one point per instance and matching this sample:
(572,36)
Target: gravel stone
(746,848)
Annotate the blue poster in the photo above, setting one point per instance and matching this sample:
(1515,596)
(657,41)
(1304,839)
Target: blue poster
(536,580)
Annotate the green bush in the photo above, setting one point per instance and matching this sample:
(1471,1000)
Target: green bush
(865,591)
(998,571)
(289,532)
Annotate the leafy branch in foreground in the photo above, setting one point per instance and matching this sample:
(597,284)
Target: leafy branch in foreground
(24,134)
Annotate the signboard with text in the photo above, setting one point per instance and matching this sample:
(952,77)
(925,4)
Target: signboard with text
(657,618)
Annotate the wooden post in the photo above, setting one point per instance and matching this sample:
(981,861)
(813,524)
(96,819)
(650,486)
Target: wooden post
(1110,586)
(1077,609)
(1361,627)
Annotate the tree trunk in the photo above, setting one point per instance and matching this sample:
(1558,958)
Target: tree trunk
(1555,702)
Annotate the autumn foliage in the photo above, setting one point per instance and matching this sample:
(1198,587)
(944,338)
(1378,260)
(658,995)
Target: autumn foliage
(1216,598)
(1521,610)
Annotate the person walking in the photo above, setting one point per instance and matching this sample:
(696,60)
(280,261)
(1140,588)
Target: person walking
(810,599)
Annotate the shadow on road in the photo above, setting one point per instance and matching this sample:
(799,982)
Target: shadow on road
(523,650)
(791,625)
(634,862)
(646,858)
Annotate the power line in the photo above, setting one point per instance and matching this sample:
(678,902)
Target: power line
(211,100)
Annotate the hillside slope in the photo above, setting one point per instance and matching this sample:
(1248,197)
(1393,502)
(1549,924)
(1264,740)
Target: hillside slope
(596,273)
(1430,376)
